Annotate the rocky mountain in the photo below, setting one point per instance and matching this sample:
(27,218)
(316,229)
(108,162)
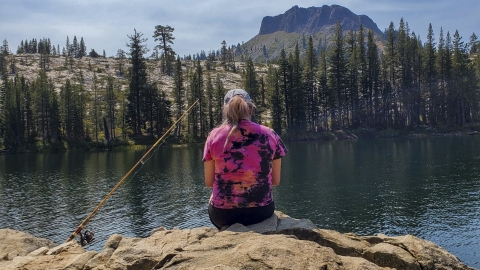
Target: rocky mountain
(315,19)
(297,24)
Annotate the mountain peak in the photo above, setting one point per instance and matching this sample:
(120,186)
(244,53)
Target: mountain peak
(315,19)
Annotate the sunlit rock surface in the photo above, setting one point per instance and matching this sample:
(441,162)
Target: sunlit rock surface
(280,242)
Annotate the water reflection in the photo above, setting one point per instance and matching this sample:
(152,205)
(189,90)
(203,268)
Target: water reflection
(426,187)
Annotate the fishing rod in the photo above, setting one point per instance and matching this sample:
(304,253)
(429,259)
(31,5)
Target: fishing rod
(88,236)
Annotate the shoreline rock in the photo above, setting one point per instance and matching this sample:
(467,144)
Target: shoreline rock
(278,242)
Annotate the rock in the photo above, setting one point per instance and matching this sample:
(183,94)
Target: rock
(108,249)
(38,252)
(315,19)
(384,254)
(63,247)
(253,251)
(356,263)
(15,243)
(428,254)
(81,260)
(278,242)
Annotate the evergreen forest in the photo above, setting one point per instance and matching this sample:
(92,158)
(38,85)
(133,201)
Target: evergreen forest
(400,85)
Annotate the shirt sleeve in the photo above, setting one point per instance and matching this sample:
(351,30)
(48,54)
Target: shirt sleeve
(280,149)
(207,155)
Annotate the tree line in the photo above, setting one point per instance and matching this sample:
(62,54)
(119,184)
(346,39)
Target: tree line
(350,84)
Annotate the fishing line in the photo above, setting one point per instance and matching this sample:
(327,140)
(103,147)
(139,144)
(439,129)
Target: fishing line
(87,238)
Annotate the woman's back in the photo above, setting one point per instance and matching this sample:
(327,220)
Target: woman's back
(243,164)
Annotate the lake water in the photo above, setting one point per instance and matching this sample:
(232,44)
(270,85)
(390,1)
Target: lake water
(427,187)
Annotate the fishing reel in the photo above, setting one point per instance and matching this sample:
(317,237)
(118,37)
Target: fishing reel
(86,237)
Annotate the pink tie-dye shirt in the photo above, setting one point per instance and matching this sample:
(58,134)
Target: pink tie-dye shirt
(243,170)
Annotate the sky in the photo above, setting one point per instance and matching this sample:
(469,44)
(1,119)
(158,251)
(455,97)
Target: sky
(203,25)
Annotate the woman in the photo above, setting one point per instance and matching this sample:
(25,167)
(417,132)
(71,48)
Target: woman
(242,162)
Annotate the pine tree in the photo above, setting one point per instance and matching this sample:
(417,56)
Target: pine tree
(111,105)
(67,110)
(218,98)
(28,98)
(275,98)
(3,89)
(75,47)
(26,46)
(323,90)
(178,92)
(12,64)
(351,91)
(164,113)
(459,64)
(8,114)
(473,44)
(298,118)
(261,83)
(68,47)
(5,50)
(197,116)
(20,88)
(362,98)
(164,35)
(337,66)
(20,48)
(404,77)
(151,109)
(250,82)
(54,114)
(311,63)
(44,62)
(389,89)
(441,71)
(430,76)
(373,73)
(210,103)
(137,81)
(224,55)
(46,108)
(121,62)
(82,49)
(33,46)
(48,46)
(285,71)
(95,106)
(415,51)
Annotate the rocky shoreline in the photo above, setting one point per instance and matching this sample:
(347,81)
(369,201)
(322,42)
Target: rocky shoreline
(280,242)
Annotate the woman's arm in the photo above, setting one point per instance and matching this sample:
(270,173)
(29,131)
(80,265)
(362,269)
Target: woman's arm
(209,172)
(276,171)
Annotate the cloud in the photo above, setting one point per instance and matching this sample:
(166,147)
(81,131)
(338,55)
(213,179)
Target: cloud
(203,25)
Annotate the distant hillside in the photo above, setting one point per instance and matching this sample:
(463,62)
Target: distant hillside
(297,24)
(82,71)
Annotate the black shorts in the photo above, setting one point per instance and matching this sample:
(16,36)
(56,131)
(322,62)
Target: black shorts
(246,216)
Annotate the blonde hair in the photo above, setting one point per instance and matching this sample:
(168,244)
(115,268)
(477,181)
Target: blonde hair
(234,111)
